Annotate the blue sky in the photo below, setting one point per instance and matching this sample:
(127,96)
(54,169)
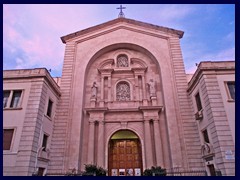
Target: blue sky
(31,33)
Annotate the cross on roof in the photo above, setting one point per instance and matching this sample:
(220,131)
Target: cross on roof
(121,14)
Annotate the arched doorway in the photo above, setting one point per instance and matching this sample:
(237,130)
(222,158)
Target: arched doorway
(125,154)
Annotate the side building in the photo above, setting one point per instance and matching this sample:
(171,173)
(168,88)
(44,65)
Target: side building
(30,97)
(212,91)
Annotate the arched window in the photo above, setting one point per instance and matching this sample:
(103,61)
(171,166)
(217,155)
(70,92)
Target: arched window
(123,91)
(122,61)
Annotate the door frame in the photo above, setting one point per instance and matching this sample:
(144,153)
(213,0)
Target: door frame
(141,145)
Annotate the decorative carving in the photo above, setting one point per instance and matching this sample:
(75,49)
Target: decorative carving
(206,149)
(138,63)
(43,153)
(123,91)
(122,61)
(152,89)
(94,90)
(107,64)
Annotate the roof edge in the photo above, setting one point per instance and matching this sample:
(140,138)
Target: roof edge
(131,21)
(210,66)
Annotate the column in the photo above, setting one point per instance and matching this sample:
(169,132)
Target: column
(109,89)
(158,143)
(101,143)
(144,91)
(91,143)
(148,145)
(102,92)
(136,88)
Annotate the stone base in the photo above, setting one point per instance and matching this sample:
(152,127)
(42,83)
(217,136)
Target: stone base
(145,102)
(93,102)
(154,101)
(101,103)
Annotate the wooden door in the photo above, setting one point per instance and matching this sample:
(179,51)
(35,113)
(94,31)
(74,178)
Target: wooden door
(125,157)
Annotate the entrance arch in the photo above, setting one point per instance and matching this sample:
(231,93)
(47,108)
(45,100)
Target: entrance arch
(124,154)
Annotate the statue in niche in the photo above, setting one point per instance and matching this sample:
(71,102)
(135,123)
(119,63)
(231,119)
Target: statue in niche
(152,89)
(122,61)
(94,90)
(123,92)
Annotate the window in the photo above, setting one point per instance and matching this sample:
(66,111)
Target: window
(49,108)
(122,61)
(231,90)
(198,101)
(41,171)
(15,99)
(6,95)
(11,99)
(44,142)
(123,91)
(211,170)
(7,138)
(205,136)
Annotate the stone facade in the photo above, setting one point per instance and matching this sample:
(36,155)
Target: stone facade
(123,83)
(218,113)
(28,119)
(152,52)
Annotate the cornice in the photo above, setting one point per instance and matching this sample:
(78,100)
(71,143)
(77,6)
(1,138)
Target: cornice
(122,20)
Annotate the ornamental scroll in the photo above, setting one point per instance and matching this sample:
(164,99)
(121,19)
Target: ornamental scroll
(123,91)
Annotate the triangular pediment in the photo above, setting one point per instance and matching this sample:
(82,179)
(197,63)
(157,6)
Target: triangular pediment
(124,21)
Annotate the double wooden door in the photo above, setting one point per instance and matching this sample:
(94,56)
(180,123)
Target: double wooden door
(125,157)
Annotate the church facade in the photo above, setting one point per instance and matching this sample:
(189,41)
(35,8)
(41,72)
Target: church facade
(125,103)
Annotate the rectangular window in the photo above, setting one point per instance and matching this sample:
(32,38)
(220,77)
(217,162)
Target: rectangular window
(15,99)
(205,136)
(231,89)
(7,138)
(12,98)
(198,101)
(41,171)
(44,142)
(6,95)
(49,109)
(211,170)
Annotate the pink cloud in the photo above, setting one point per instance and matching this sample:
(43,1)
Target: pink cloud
(35,31)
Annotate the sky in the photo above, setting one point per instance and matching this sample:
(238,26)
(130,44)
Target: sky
(31,32)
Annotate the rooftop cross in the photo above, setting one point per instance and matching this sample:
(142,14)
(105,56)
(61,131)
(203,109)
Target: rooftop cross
(121,14)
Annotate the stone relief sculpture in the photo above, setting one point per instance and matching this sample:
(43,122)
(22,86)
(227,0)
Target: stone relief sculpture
(152,89)
(122,61)
(123,91)
(206,149)
(94,90)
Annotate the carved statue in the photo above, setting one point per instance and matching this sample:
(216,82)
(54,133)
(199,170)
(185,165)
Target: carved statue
(94,90)
(152,88)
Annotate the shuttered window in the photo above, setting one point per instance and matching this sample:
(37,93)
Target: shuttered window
(7,138)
